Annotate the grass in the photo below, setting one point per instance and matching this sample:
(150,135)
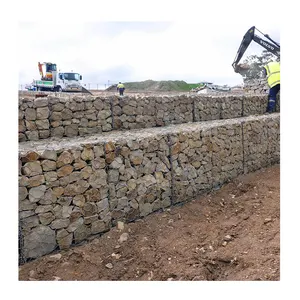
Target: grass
(165,85)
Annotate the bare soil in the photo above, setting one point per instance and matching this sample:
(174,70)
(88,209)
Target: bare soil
(230,234)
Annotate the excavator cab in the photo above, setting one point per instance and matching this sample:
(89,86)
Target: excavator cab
(47,71)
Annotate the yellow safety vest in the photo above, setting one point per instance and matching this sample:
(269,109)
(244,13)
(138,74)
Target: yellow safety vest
(120,86)
(273,73)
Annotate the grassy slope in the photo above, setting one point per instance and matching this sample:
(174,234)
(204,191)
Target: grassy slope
(168,85)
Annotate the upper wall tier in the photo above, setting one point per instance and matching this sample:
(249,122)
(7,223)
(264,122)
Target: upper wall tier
(42,118)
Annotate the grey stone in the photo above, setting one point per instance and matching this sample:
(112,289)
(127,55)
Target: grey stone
(40,241)
(102,205)
(27,205)
(42,124)
(48,165)
(64,239)
(40,102)
(64,158)
(113,176)
(60,223)
(32,168)
(50,176)
(117,163)
(46,218)
(22,193)
(71,130)
(79,200)
(43,209)
(81,233)
(32,135)
(26,213)
(37,193)
(42,113)
(58,131)
(49,154)
(99,151)
(89,209)
(98,179)
(98,226)
(76,188)
(74,225)
(30,114)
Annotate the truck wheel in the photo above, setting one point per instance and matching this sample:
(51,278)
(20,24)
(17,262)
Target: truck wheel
(59,89)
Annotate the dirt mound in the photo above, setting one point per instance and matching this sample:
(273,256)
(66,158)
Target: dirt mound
(151,85)
(230,234)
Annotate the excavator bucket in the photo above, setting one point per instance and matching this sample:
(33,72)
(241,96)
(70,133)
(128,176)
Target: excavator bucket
(242,69)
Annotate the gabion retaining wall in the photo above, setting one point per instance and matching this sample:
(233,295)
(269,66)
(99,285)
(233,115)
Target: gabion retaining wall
(76,188)
(42,118)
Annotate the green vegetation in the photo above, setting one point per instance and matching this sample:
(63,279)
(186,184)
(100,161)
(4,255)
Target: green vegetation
(166,85)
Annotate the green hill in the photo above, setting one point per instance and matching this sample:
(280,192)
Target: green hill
(165,85)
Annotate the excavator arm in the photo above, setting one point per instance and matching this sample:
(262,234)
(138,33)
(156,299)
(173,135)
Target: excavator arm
(270,45)
(41,69)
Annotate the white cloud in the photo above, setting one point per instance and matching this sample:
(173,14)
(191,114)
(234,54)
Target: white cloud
(135,51)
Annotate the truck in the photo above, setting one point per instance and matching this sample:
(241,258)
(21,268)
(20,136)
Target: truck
(54,81)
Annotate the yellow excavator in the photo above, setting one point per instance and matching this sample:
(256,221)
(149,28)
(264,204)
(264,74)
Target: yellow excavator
(46,70)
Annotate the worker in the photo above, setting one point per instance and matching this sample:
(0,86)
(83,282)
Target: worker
(120,88)
(272,71)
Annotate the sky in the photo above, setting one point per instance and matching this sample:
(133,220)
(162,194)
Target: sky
(109,52)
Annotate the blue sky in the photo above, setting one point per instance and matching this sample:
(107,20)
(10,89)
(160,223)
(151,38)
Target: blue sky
(107,52)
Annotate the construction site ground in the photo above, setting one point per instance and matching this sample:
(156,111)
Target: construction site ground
(230,234)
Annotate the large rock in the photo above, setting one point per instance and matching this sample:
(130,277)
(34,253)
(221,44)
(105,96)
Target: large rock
(39,242)
(136,157)
(32,168)
(48,165)
(30,156)
(98,226)
(46,218)
(98,179)
(42,124)
(49,154)
(22,193)
(30,114)
(37,193)
(40,102)
(65,158)
(64,170)
(81,233)
(42,113)
(36,180)
(65,241)
(76,188)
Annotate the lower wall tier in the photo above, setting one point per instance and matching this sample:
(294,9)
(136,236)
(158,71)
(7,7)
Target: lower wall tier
(74,188)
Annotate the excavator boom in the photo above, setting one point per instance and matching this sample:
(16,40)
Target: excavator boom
(41,69)
(250,36)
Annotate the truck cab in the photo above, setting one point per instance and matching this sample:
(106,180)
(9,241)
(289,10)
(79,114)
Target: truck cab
(69,81)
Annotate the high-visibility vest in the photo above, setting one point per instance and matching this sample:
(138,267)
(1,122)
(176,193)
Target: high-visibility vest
(273,73)
(120,86)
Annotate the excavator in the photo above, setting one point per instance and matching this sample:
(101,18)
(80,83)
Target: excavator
(269,44)
(46,70)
